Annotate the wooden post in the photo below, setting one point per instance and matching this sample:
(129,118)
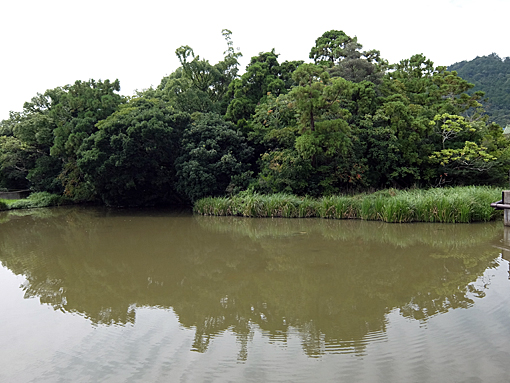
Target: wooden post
(506,200)
(505,250)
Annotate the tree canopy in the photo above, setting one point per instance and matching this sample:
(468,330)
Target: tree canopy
(348,121)
(129,161)
(214,154)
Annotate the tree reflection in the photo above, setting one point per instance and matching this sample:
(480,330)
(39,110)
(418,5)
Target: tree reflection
(330,282)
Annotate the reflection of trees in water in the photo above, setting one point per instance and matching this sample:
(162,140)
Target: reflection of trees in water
(332,282)
(443,236)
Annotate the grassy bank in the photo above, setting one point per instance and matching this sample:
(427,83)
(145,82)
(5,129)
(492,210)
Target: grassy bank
(34,200)
(449,205)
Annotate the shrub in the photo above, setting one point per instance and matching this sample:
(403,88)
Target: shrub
(42,199)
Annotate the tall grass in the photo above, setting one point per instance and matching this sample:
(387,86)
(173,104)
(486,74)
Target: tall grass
(339,207)
(459,204)
(258,205)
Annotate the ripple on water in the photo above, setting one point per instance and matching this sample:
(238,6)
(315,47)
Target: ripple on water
(355,346)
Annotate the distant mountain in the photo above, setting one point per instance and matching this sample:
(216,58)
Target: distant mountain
(490,74)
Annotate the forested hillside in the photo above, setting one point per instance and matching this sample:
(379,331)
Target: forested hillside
(489,74)
(349,121)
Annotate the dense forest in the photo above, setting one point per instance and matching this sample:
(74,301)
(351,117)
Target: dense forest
(350,121)
(490,74)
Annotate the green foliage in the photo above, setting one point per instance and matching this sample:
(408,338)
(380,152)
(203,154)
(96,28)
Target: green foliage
(469,149)
(263,76)
(284,171)
(332,46)
(79,109)
(179,91)
(14,155)
(449,126)
(491,75)
(40,199)
(318,101)
(45,175)
(28,138)
(360,67)
(347,123)
(468,155)
(273,135)
(446,205)
(274,124)
(321,104)
(213,152)
(404,134)
(47,136)
(129,161)
(199,86)
(433,90)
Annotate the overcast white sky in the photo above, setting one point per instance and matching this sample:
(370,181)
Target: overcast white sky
(52,43)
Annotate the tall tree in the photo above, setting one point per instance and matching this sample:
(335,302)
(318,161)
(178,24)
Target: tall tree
(326,136)
(52,127)
(199,86)
(129,161)
(333,46)
(29,135)
(318,98)
(402,137)
(79,109)
(215,156)
(263,76)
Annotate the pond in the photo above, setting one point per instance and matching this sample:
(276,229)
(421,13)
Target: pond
(100,295)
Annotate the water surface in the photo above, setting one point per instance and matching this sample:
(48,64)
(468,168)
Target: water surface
(98,295)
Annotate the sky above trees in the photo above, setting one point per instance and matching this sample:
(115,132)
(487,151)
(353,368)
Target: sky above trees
(56,42)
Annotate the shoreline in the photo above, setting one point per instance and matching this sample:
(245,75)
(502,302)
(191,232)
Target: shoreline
(445,205)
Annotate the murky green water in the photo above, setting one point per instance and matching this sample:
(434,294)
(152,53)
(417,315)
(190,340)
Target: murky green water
(96,295)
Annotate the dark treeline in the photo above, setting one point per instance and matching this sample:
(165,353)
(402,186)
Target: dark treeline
(347,122)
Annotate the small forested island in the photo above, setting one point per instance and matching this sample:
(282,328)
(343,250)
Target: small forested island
(350,122)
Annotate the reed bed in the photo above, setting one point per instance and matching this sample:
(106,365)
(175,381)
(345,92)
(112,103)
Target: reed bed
(258,205)
(446,205)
